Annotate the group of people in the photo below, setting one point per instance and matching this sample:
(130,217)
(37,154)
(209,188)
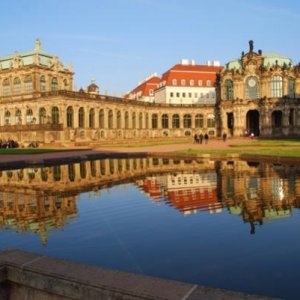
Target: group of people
(198,138)
(8,144)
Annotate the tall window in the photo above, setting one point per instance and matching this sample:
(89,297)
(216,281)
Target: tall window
(187,121)
(42,84)
(6,87)
(17,86)
(28,84)
(110,119)
(154,121)
(191,82)
(140,120)
(211,121)
(70,116)
(29,116)
(92,118)
(119,120)
(292,116)
(7,118)
(133,120)
(126,120)
(252,87)
(228,89)
(276,86)
(18,119)
(54,84)
(81,117)
(42,115)
(174,82)
(165,121)
(101,118)
(291,87)
(199,121)
(55,115)
(183,82)
(199,82)
(147,121)
(175,121)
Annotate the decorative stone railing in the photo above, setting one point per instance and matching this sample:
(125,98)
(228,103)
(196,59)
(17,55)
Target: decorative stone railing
(31,127)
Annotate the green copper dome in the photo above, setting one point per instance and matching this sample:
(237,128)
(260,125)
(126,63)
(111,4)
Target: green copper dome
(270,59)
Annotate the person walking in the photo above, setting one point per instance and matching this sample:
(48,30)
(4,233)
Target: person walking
(206,138)
(224,137)
(200,138)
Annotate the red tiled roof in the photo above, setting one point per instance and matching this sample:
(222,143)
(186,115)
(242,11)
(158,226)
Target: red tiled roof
(191,72)
(145,87)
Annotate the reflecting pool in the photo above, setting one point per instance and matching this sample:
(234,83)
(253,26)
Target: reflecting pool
(226,224)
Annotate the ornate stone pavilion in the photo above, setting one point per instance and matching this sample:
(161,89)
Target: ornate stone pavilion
(259,93)
(38,104)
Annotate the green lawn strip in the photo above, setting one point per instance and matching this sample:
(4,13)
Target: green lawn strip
(276,152)
(268,143)
(33,151)
(146,144)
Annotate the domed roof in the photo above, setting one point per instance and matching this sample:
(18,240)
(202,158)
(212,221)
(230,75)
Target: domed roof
(93,88)
(271,58)
(234,64)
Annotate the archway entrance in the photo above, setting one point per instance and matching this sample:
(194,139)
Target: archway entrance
(252,120)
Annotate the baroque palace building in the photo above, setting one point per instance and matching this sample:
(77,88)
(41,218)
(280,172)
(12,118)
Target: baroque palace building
(257,93)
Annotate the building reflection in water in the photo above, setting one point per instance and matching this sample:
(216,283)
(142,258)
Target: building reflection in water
(39,200)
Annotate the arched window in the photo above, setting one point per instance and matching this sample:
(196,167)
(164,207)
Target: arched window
(71,171)
(277,119)
(119,120)
(29,116)
(18,119)
(54,84)
(199,121)
(17,86)
(252,87)
(276,86)
(291,87)
(66,85)
(81,117)
(126,120)
(28,84)
(7,117)
(82,168)
(228,89)
(42,115)
(154,121)
(187,121)
(133,120)
(147,121)
(6,87)
(175,121)
(165,121)
(101,118)
(92,118)
(70,117)
(140,120)
(110,119)
(55,115)
(42,84)
(211,121)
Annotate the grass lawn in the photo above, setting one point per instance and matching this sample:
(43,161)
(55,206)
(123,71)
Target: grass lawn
(268,143)
(276,152)
(30,150)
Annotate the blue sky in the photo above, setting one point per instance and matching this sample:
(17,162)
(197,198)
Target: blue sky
(120,42)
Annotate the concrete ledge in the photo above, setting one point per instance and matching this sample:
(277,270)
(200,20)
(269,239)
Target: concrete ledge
(39,277)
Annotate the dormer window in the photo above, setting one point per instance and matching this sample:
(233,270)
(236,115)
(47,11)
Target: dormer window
(174,82)
(199,82)
(191,82)
(151,93)
(183,82)
(208,83)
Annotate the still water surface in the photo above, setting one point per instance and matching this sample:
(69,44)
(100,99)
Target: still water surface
(229,224)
